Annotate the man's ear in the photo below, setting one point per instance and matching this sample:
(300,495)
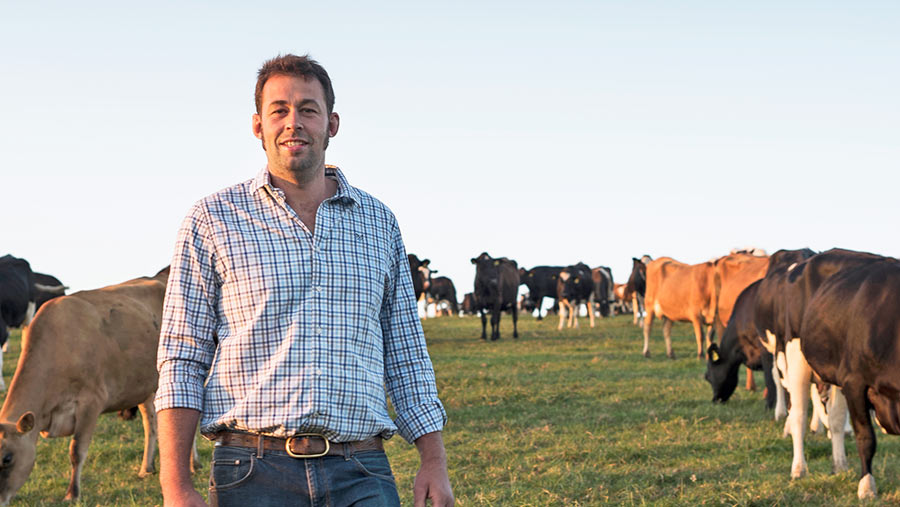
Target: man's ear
(334,122)
(256,125)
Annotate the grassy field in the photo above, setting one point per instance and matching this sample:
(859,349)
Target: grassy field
(576,417)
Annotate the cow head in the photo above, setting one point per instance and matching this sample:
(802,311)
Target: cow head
(17,451)
(575,281)
(722,376)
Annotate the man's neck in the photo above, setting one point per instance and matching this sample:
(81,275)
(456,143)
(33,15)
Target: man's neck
(304,197)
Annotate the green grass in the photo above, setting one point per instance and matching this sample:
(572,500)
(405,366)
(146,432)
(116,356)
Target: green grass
(573,417)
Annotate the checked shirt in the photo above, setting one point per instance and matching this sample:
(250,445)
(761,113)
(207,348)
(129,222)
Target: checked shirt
(270,329)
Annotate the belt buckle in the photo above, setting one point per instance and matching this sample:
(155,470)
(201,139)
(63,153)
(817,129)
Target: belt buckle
(287,446)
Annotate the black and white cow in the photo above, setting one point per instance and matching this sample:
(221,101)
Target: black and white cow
(541,283)
(779,319)
(16,295)
(441,289)
(741,345)
(575,286)
(496,287)
(603,289)
(636,287)
(421,275)
(46,287)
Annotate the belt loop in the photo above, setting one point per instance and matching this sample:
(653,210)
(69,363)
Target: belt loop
(348,450)
(260,446)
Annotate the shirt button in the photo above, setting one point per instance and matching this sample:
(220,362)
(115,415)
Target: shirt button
(319,330)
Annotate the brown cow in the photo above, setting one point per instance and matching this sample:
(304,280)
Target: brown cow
(680,292)
(84,354)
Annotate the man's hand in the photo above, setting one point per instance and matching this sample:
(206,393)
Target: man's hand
(432,480)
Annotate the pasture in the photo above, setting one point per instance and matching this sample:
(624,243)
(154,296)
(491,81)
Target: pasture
(572,417)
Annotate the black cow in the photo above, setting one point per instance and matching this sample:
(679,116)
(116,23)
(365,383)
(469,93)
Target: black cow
(16,294)
(46,287)
(469,304)
(575,286)
(420,273)
(442,289)
(496,287)
(541,283)
(850,336)
(636,287)
(740,345)
(603,289)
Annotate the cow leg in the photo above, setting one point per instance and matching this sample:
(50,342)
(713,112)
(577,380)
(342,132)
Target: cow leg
(781,410)
(858,406)
(540,303)
(648,325)
(769,380)
(515,316)
(85,423)
(698,335)
(573,316)
(819,414)
(2,383)
(709,339)
(29,314)
(148,417)
(667,334)
(591,309)
(798,372)
(495,324)
(483,325)
(751,382)
(634,308)
(837,420)
(563,305)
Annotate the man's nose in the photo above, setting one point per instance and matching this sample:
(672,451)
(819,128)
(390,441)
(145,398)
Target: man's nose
(293,120)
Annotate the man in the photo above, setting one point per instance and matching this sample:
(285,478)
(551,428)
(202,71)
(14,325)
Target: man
(289,310)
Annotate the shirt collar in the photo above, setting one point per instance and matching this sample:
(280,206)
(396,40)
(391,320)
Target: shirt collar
(345,193)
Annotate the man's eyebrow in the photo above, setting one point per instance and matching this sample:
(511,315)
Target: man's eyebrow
(304,102)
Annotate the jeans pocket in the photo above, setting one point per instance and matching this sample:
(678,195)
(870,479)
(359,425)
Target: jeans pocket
(231,468)
(373,464)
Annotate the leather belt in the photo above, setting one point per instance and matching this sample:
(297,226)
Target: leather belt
(306,445)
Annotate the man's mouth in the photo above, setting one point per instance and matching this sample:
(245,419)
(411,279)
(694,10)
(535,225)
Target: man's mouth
(293,143)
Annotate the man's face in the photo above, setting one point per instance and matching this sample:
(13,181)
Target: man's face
(294,126)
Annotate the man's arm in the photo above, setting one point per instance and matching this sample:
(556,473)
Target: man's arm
(177,427)
(432,480)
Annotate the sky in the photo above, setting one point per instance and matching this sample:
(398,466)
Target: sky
(549,133)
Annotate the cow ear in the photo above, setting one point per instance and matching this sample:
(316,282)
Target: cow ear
(25,423)
(425,262)
(474,261)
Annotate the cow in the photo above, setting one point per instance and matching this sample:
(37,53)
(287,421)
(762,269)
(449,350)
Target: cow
(46,287)
(441,289)
(780,311)
(603,289)
(780,321)
(636,287)
(574,286)
(496,287)
(679,292)
(421,275)
(541,283)
(622,305)
(850,337)
(109,337)
(740,345)
(16,295)
(733,273)
(469,305)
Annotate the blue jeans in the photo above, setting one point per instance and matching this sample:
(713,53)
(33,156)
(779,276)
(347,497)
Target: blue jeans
(239,477)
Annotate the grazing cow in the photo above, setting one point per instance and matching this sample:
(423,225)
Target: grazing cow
(603,289)
(636,287)
(740,345)
(541,283)
(679,292)
(109,337)
(421,275)
(442,289)
(574,286)
(496,287)
(795,287)
(850,336)
(46,287)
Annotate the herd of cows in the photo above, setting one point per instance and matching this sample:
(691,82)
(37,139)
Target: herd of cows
(823,327)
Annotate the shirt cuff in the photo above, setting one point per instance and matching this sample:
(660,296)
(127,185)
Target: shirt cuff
(420,420)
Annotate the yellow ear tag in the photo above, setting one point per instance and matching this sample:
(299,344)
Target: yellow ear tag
(496,263)
(715,356)
(577,281)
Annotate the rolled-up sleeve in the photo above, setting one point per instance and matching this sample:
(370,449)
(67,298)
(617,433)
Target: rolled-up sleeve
(186,342)
(409,375)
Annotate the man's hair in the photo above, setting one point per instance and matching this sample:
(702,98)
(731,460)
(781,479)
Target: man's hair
(298,66)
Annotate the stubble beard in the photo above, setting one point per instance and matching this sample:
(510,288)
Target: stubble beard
(304,169)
